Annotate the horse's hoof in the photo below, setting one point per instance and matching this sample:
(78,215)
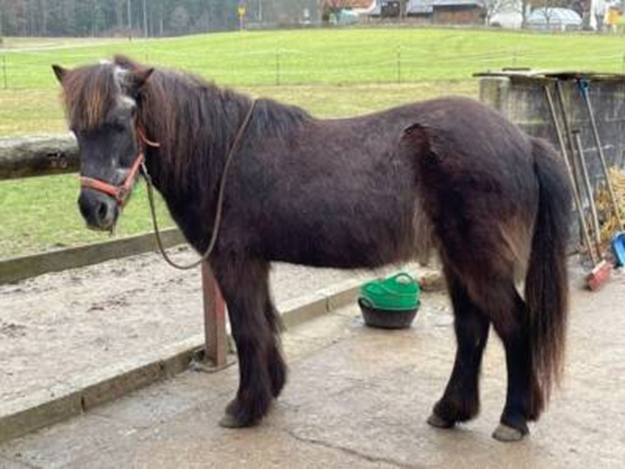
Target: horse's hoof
(507,434)
(438,422)
(229,421)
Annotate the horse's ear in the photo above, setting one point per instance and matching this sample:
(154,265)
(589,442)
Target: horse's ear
(60,72)
(140,77)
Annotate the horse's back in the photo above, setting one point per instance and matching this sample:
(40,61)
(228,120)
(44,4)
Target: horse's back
(474,148)
(458,125)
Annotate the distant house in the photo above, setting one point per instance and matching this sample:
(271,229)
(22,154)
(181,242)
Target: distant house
(436,11)
(346,11)
(387,9)
(364,5)
(357,6)
(446,11)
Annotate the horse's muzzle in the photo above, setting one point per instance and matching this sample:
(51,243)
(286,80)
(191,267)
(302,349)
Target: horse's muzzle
(100,211)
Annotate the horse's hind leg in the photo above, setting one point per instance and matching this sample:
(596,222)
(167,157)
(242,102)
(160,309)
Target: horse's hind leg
(275,361)
(244,284)
(498,298)
(522,384)
(460,402)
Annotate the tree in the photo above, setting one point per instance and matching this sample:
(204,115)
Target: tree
(14,17)
(547,7)
(493,7)
(337,5)
(107,17)
(179,19)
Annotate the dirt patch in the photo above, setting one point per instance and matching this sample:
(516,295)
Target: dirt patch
(11,330)
(60,326)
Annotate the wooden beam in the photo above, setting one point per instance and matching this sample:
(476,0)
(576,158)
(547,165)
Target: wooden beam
(20,268)
(22,157)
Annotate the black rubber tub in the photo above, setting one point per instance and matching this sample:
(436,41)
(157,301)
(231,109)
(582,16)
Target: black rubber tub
(386,319)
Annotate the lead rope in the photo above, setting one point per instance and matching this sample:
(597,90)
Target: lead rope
(220,201)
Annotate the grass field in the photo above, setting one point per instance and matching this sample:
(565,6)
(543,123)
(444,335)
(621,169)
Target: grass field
(318,59)
(331,73)
(324,56)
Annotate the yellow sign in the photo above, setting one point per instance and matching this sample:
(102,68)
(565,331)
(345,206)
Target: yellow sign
(612,18)
(241,11)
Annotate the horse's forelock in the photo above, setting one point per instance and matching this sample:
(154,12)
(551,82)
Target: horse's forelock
(91,92)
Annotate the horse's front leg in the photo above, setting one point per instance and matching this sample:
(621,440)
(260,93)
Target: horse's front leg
(244,285)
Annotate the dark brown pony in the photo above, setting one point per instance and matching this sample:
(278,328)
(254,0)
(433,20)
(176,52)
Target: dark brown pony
(346,193)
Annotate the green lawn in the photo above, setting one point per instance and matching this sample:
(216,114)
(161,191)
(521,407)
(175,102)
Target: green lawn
(331,73)
(322,56)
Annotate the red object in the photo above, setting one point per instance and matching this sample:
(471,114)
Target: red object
(599,276)
(119,193)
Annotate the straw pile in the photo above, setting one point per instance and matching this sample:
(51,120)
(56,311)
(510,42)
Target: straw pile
(609,224)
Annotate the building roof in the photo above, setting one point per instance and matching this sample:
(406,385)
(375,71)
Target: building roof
(440,3)
(427,6)
(419,7)
(355,4)
(554,16)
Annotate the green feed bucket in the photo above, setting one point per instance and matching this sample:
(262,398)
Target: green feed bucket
(390,303)
(397,293)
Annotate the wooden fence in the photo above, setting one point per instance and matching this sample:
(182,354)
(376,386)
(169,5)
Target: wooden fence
(51,155)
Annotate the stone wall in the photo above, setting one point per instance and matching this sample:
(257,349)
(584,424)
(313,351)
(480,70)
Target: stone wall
(523,101)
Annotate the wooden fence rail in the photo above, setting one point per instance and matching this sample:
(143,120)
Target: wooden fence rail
(50,155)
(37,156)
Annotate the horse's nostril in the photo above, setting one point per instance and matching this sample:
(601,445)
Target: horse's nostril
(97,210)
(102,212)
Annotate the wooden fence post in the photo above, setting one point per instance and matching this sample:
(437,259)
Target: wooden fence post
(216,340)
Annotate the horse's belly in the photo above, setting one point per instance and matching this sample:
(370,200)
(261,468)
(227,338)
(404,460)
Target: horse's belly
(375,237)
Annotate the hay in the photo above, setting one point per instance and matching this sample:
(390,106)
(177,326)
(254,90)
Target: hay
(607,220)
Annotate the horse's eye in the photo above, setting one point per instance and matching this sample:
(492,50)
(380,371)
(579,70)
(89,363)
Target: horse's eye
(119,127)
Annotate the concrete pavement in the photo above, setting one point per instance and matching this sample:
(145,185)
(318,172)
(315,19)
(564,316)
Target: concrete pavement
(359,397)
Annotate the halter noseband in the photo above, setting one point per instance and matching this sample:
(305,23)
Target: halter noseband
(122,192)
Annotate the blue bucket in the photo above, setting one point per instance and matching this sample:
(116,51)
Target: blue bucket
(618,248)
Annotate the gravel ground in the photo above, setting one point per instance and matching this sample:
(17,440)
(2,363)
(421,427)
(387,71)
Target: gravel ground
(73,323)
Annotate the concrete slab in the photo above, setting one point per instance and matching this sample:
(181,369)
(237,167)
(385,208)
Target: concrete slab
(10,464)
(113,328)
(359,397)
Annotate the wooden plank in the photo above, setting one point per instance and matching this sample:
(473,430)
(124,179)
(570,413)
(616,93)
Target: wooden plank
(215,338)
(20,268)
(22,157)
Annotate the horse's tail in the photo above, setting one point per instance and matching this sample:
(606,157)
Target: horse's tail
(546,284)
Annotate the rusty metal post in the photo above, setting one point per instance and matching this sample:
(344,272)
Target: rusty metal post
(216,340)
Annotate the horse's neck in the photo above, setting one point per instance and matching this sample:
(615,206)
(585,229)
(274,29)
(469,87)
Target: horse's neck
(193,151)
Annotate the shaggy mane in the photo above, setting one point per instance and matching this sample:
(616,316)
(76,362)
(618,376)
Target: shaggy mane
(191,118)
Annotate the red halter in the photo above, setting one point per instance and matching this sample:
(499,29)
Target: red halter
(122,192)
